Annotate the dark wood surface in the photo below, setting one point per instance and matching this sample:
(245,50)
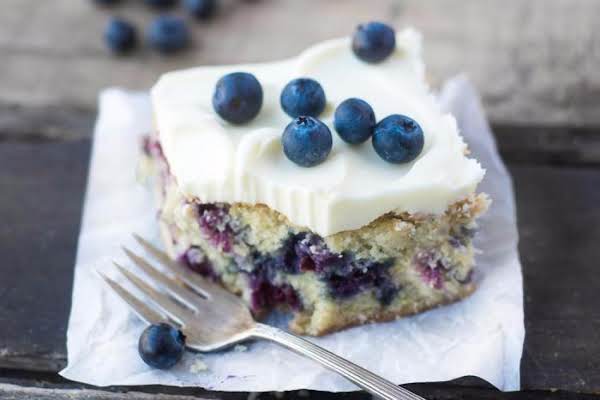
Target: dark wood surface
(42,184)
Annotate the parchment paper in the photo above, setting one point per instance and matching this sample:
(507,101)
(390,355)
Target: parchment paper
(481,336)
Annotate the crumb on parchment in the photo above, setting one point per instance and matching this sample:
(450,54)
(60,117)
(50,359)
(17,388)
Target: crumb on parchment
(198,366)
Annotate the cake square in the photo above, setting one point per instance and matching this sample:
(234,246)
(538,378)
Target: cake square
(350,241)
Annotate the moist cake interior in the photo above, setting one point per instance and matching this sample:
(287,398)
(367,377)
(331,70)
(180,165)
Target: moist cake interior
(399,264)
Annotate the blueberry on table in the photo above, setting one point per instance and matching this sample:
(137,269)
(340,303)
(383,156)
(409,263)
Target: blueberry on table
(238,97)
(398,139)
(120,35)
(160,3)
(200,9)
(373,42)
(161,345)
(168,34)
(354,121)
(303,96)
(306,141)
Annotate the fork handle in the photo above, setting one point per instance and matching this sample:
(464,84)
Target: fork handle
(368,381)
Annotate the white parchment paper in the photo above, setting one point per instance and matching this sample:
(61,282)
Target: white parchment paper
(481,336)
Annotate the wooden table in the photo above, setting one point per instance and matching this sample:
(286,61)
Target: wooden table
(535,62)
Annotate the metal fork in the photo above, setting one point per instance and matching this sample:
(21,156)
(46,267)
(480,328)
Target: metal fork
(213,319)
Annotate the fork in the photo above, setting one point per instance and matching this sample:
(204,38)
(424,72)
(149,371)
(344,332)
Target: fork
(213,319)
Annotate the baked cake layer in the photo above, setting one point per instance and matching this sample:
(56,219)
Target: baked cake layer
(399,264)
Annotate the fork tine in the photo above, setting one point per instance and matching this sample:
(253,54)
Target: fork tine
(141,309)
(175,311)
(194,280)
(158,254)
(183,294)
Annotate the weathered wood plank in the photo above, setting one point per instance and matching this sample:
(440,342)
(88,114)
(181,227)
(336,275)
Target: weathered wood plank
(468,388)
(535,61)
(549,145)
(49,122)
(15,392)
(559,227)
(16,383)
(430,391)
(42,189)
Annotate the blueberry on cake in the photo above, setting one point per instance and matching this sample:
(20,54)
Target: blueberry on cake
(330,185)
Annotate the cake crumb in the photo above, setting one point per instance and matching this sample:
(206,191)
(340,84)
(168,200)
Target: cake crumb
(198,366)
(403,226)
(239,348)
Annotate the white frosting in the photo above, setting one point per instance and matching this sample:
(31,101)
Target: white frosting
(219,162)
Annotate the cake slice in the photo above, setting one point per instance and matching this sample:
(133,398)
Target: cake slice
(352,240)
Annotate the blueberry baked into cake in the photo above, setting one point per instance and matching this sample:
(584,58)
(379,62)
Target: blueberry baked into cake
(330,185)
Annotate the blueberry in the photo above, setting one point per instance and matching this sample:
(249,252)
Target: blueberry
(354,121)
(303,96)
(238,97)
(214,221)
(161,346)
(373,42)
(160,3)
(168,34)
(398,139)
(201,8)
(120,35)
(306,141)
(195,259)
(385,291)
(433,277)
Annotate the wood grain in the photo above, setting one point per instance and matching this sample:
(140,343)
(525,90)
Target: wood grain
(42,187)
(17,392)
(535,61)
(559,224)
(455,390)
